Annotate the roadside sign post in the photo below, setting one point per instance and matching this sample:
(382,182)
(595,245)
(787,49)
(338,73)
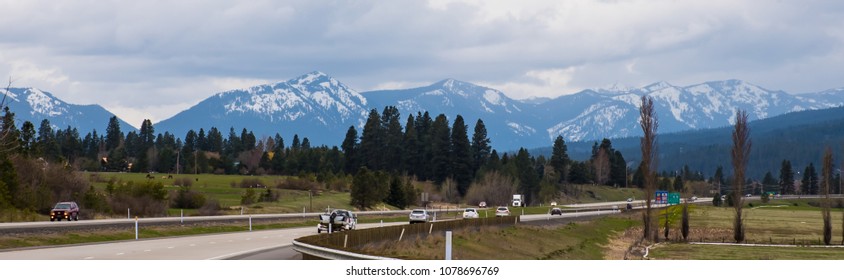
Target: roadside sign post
(448,245)
(136,227)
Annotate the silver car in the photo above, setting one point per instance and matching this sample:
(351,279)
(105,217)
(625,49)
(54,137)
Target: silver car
(418,216)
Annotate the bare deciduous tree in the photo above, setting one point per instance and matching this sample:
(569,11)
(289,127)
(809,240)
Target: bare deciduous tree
(493,188)
(826,172)
(649,124)
(740,153)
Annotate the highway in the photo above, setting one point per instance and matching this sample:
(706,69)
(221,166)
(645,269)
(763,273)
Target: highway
(264,244)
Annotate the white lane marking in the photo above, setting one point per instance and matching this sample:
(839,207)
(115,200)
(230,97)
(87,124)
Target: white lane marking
(89,258)
(265,237)
(193,245)
(171,247)
(246,239)
(148,250)
(119,254)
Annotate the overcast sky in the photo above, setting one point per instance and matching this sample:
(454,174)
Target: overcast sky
(153,59)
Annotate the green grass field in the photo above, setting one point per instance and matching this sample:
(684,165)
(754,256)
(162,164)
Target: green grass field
(791,222)
(226,190)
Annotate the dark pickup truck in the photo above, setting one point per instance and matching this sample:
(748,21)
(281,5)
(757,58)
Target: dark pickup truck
(65,210)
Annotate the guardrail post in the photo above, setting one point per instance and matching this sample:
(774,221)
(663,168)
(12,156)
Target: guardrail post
(431,229)
(136,227)
(448,245)
(128,216)
(402,234)
(182,216)
(345,240)
(250,222)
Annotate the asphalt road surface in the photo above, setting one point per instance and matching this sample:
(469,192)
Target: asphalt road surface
(264,244)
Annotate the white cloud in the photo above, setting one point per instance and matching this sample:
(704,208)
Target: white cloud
(539,83)
(150,54)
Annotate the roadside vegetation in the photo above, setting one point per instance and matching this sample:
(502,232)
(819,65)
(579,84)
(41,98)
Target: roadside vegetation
(587,240)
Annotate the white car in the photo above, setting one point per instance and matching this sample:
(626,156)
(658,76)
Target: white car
(693,198)
(418,216)
(502,211)
(553,203)
(630,199)
(470,213)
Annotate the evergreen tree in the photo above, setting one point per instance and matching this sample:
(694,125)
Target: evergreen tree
(441,149)
(718,180)
(392,134)
(786,178)
(579,173)
(412,157)
(27,139)
(368,189)
(201,140)
(560,159)
(461,156)
(678,183)
(424,124)
(114,138)
(528,177)
(639,177)
(397,196)
(372,142)
(768,183)
(618,170)
(350,147)
(480,147)
(47,143)
(809,184)
(214,140)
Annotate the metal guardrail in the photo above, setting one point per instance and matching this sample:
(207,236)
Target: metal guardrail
(332,254)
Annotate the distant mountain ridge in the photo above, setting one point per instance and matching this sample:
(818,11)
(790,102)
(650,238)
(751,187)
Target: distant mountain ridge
(322,108)
(34,105)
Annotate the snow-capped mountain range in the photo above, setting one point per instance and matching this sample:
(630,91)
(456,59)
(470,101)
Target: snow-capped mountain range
(322,108)
(33,105)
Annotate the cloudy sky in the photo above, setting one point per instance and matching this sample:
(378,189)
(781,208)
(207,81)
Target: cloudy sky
(152,59)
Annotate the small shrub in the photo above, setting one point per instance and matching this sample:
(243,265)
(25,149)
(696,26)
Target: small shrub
(210,208)
(298,184)
(251,183)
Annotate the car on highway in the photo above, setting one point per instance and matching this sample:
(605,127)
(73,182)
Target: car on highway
(418,216)
(556,211)
(629,199)
(693,198)
(747,195)
(337,220)
(68,210)
(553,203)
(502,211)
(470,213)
(482,204)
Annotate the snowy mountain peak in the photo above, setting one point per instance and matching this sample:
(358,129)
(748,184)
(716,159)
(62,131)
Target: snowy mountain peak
(657,86)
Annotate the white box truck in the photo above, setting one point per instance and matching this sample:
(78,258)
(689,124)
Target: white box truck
(518,200)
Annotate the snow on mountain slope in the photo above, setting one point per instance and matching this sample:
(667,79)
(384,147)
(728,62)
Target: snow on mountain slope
(322,108)
(314,105)
(34,105)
